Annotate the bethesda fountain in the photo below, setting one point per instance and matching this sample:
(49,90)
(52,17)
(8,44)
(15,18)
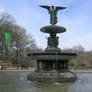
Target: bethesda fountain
(52,64)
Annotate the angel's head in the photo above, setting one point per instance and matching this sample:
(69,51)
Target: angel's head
(52,7)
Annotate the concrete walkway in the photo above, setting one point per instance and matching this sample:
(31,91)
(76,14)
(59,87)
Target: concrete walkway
(19,70)
(13,69)
(82,71)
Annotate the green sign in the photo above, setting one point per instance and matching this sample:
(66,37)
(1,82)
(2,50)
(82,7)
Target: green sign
(8,38)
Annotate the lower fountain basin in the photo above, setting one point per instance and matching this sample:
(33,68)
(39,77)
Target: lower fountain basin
(52,55)
(52,76)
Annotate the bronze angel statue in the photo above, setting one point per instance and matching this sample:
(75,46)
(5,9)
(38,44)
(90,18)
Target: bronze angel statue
(53,12)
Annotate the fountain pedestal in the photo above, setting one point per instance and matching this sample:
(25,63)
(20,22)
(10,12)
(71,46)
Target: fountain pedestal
(52,43)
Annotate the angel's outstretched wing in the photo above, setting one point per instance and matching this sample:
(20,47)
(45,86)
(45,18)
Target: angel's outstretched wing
(46,7)
(60,8)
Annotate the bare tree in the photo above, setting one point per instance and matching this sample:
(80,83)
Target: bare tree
(6,25)
(21,41)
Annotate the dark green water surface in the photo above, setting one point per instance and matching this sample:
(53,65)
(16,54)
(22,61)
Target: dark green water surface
(17,82)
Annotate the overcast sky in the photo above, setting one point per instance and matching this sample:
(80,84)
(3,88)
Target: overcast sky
(77,19)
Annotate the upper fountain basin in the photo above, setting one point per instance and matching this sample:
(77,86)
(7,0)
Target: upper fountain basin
(52,29)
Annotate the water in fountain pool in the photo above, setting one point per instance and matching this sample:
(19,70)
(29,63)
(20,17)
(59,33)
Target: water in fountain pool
(17,82)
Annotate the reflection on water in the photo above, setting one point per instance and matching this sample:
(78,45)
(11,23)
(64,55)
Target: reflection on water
(17,82)
(53,87)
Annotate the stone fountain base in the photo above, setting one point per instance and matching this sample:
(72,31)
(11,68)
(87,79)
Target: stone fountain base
(52,76)
(52,67)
